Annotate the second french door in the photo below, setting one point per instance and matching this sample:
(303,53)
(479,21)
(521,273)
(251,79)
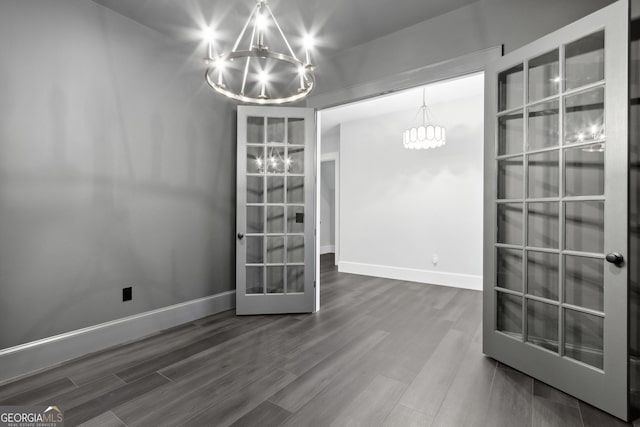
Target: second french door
(555,279)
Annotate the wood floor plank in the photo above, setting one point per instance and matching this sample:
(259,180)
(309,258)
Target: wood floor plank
(547,392)
(593,417)
(72,398)
(547,413)
(112,399)
(406,417)
(511,399)
(240,403)
(106,419)
(373,405)
(266,414)
(39,393)
(303,389)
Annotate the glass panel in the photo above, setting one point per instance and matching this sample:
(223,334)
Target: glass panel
(510,223)
(584,61)
(509,314)
(544,75)
(542,225)
(276,160)
(295,278)
(544,174)
(275,250)
(510,88)
(255,280)
(296,131)
(542,325)
(275,219)
(255,159)
(584,282)
(584,171)
(275,280)
(295,189)
(584,226)
(275,189)
(255,219)
(584,118)
(543,274)
(255,189)
(544,125)
(275,129)
(295,219)
(510,178)
(583,337)
(255,130)
(509,269)
(510,133)
(296,160)
(295,249)
(255,249)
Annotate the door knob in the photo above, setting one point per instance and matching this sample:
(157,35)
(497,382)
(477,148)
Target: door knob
(240,236)
(615,258)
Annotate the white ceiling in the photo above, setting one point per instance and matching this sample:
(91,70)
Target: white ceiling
(336,24)
(411,99)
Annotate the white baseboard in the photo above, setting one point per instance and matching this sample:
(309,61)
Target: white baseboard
(329,249)
(454,280)
(19,360)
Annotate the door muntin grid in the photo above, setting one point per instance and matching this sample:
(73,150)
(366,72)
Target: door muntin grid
(550,149)
(275,249)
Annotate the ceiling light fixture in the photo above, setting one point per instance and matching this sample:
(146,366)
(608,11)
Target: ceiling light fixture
(426,135)
(258,74)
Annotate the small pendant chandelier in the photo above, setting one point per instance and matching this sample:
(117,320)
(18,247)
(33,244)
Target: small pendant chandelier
(257,74)
(425,136)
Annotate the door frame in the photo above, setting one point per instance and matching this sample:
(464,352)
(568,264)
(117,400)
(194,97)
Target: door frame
(335,158)
(460,66)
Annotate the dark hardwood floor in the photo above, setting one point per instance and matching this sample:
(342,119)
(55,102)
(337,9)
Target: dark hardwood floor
(380,352)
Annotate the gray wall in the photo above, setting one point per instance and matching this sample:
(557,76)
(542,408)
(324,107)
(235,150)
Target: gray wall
(116,168)
(481,25)
(328,205)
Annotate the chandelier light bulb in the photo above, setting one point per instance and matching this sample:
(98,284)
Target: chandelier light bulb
(261,21)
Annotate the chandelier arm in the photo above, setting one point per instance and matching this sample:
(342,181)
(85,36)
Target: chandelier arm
(275,21)
(244,29)
(246,65)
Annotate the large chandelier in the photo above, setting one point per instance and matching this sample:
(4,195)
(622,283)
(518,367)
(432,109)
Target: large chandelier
(258,74)
(425,136)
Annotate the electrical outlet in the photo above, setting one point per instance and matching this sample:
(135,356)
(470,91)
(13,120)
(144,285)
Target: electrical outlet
(435,259)
(127,294)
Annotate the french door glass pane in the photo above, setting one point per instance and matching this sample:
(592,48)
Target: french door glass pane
(275,189)
(255,189)
(296,160)
(255,159)
(275,219)
(295,278)
(583,337)
(543,225)
(510,133)
(295,219)
(542,324)
(544,125)
(296,131)
(295,249)
(584,226)
(509,312)
(275,160)
(255,249)
(255,130)
(584,171)
(255,280)
(511,88)
(295,189)
(275,279)
(544,75)
(544,174)
(255,219)
(275,129)
(584,282)
(509,269)
(584,63)
(543,274)
(275,250)
(510,178)
(510,223)
(584,116)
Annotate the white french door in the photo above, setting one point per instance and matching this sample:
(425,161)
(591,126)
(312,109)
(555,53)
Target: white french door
(555,280)
(275,250)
